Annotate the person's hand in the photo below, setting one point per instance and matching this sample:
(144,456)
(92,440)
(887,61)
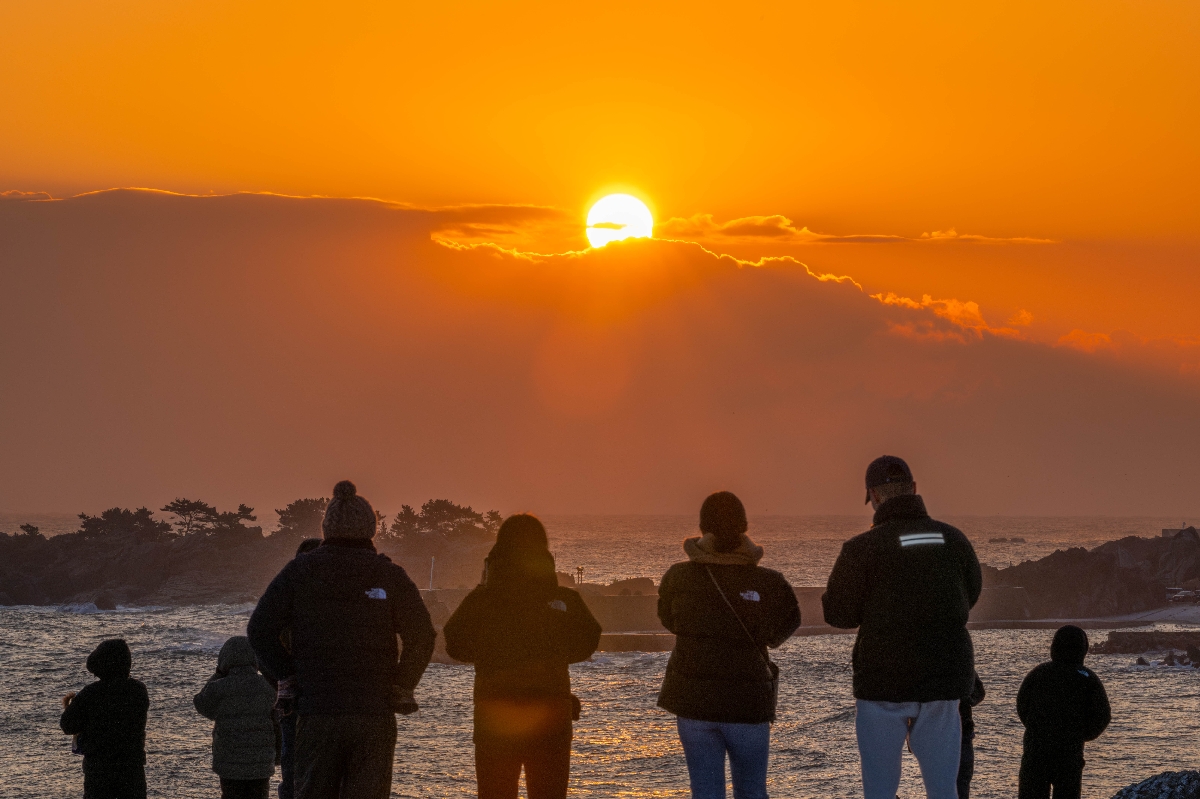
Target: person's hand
(286,694)
(66,700)
(403,701)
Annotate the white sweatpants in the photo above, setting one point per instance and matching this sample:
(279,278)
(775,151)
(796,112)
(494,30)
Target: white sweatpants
(934,733)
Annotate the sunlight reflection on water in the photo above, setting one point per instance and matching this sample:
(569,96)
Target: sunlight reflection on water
(623,745)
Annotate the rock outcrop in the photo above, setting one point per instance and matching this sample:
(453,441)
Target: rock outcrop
(1137,642)
(1126,576)
(122,569)
(1168,785)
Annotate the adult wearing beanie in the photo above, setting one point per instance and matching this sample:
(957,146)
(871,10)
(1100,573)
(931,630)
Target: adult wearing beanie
(725,611)
(344,605)
(1062,704)
(522,630)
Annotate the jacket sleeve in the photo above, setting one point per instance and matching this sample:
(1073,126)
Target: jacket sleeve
(846,591)
(1099,712)
(1025,696)
(578,632)
(74,718)
(977,693)
(972,572)
(207,701)
(666,595)
(270,618)
(461,630)
(410,619)
(785,616)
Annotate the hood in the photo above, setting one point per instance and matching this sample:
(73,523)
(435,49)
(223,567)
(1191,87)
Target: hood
(521,568)
(236,652)
(1070,646)
(112,660)
(704,550)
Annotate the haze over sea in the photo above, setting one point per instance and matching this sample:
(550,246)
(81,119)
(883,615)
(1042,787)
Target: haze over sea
(624,746)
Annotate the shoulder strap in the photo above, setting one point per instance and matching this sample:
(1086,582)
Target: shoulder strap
(737,616)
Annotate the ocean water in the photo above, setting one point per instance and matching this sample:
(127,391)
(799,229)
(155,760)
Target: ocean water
(624,746)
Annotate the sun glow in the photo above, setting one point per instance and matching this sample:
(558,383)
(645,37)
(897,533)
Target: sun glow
(616,217)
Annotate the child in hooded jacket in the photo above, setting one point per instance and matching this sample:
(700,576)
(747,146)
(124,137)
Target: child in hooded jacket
(108,719)
(241,702)
(1062,705)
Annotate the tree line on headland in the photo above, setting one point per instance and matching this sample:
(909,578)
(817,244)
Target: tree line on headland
(198,554)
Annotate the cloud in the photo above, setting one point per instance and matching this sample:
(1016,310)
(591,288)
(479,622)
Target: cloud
(953,235)
(23,196)
(512,225)
(966,316)
(256,349)
(702,227)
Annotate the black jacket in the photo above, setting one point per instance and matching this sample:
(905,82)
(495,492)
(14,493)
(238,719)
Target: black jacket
(715,672)
(908,585)
(521,631)
(344,604)
(109,716)
(1062,705)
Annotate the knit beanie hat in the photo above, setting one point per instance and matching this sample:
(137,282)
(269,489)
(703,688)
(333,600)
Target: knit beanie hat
(724,517)
(1070,645)
(348,515)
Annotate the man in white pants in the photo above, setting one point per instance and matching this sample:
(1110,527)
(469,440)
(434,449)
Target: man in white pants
(908,585)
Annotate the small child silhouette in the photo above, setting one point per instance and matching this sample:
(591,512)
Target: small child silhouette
(108,720)
(1062,704)
(241,702)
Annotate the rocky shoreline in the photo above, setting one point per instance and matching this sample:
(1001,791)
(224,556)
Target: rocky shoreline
(1113,581)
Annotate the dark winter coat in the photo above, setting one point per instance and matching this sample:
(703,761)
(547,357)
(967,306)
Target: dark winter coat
(344,604)
(716,673)
(1062,705)
(109,716)
(521,631)
(241,703)
(908,585)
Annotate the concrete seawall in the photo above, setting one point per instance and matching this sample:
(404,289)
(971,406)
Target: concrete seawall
(630,622)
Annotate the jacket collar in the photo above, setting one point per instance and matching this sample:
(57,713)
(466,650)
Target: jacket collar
(704,550)
(909,506)
(350,543)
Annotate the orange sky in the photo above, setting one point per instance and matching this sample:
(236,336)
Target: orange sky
(1057,141)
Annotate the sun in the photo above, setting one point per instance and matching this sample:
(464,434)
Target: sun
(616,217)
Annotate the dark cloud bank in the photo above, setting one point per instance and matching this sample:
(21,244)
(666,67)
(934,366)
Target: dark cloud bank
(258,348)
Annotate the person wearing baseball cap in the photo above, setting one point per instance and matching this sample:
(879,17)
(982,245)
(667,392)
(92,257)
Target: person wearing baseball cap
(908,585)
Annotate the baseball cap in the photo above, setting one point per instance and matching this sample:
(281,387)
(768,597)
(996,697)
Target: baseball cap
(887,469)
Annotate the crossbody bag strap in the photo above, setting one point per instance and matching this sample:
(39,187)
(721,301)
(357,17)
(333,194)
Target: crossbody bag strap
(738,616)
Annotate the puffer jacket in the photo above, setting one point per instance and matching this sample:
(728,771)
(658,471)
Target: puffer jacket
(344,604)
(109,716)
(521,630)
(716,673)
(240,701)
(908,585)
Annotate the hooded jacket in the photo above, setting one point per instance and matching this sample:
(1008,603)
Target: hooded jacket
(345,605)
(241,702)
(521,630)
(1063,703)
(109,716)
(716,673)
(908,585)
